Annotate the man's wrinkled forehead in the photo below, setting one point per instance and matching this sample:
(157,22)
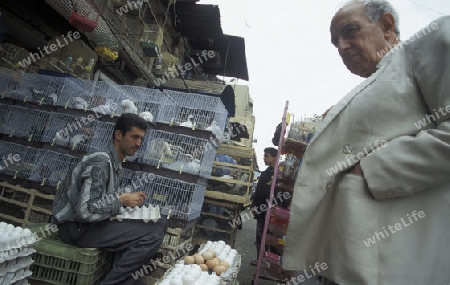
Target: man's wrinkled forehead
(350,14)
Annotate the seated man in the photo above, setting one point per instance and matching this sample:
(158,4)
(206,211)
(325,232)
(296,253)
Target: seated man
(89,196)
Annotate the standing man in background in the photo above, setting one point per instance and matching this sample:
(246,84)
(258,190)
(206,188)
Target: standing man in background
(372,196)
(262,194)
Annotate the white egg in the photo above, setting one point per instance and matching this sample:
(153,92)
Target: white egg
(194,273)
(176,280)
(188,280)
(9,228)
(221,242)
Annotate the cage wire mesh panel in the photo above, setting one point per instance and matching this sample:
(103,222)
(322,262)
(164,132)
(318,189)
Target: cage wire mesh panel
(70,131)
(177,152)
(10,82)
(5,111)
(107,99)
(41,89)
(25,123)
(199,109)
(161,107)
(51,167)
(74,93)
(26,157)
(184,200)
(102,136)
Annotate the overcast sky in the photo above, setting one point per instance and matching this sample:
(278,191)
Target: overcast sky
(290,57)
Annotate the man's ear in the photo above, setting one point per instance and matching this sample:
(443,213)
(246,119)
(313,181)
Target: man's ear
(117,135)
(387,23)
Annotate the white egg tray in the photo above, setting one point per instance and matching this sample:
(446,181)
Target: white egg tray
(12,237)
(13,271)
(15,253)
(144,213)
(182,274)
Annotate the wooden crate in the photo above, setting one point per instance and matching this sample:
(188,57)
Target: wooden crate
(23,207)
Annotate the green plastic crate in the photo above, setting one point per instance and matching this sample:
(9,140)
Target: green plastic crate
(56,262)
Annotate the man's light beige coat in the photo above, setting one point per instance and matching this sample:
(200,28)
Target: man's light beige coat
(403,202)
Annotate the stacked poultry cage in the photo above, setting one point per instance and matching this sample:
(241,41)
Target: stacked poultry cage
(48,124)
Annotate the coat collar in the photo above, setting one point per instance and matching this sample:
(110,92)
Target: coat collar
(114,158)
(337,109)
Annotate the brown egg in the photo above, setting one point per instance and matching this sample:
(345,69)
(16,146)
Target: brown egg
(204,267)
(198,259)
(212,251)
(212,263)
(189,259)
(207,255)
(219,270)
(225,264)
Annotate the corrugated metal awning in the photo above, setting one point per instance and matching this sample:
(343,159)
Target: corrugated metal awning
(201,25)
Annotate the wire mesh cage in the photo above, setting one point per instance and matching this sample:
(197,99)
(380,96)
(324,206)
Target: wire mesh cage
(177,152)
(51,167)
(24,123)
(182,199)
(48,90)
(5,111)
(10,82)
(17,160)
(198,111)
(103,136)
(107,99)
(152,104)
(70,131)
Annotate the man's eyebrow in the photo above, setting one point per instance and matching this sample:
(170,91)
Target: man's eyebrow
(348,26)
(344,28)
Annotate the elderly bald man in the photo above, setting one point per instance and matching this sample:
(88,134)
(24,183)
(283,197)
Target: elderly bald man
(372,196)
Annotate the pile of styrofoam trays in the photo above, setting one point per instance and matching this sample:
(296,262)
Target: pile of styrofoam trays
(145,213)
(15,254)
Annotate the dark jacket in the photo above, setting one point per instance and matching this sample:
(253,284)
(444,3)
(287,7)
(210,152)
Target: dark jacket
(262,193)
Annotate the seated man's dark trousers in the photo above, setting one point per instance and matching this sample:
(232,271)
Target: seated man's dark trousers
(134,243)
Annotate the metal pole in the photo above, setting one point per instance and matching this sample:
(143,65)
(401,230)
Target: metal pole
(272,188)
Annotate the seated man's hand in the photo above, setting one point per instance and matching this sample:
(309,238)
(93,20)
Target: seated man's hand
(132,199)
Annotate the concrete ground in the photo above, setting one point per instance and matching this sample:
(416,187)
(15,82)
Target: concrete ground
(245,246)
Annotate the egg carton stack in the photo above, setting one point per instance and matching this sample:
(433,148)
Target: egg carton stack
(15,254)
